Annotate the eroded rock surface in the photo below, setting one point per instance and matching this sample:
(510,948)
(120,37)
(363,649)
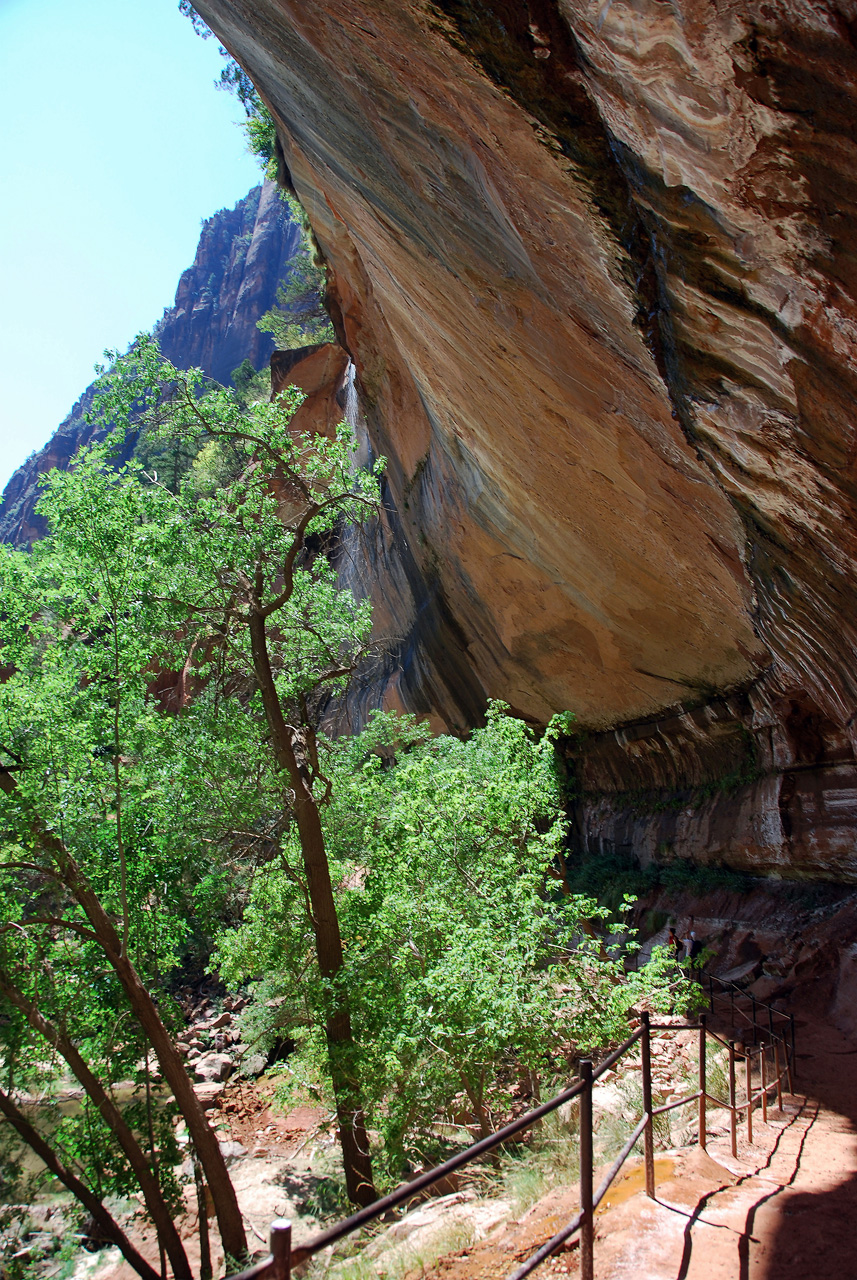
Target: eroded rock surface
(242,255)
(594,265)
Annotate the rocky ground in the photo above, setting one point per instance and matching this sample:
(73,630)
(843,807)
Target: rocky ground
(785,1199)
(781,1211)
(279,1159)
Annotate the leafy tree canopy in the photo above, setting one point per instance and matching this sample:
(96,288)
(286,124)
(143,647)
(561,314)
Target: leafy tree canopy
(467,966)
(132,812)
(299,319)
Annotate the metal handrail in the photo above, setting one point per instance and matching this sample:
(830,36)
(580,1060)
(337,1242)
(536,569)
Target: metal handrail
(568,1231)
(409,1189)
(727,984)
(678,1102)
(277,1265)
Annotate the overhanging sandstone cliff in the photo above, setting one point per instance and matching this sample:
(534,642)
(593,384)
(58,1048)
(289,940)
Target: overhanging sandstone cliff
(545,487)
(594,264)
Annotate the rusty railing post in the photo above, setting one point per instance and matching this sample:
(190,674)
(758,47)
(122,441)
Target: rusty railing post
(701,1137)
(648,1132)
(733,1119)
(281,1249)
(778,1068)
(748,1077)
(587,1227)
(793,1058)
(789,1067)
(763,1068)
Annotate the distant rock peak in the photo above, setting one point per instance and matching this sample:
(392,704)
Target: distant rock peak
(242,256)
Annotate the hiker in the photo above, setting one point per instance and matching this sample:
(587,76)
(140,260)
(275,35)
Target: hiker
(674,941)
(694,948)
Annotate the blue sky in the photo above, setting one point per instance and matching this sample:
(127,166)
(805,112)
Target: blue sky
(114,146)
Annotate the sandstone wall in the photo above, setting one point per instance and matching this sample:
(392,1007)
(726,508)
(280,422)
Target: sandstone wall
(594,263)
(242,255)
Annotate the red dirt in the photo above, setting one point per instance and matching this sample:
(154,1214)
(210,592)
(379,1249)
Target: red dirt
(251,1119)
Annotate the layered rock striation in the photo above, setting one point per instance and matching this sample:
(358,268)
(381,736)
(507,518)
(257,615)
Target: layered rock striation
(595,268)
(242,255)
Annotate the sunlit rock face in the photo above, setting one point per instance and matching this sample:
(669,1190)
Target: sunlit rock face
(595,266)
(242,255)
(545,487)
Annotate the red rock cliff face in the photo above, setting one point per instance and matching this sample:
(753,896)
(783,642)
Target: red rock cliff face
(536,462)
(242,255)
(594,261)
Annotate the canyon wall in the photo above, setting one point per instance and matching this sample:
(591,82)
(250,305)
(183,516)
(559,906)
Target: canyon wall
(242,255)
(593,262)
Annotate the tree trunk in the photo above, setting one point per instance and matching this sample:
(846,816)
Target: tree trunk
(328,940)
(78,1189)
(205,1272)
(229,1218)
(475,1097)
(340,1039)
(159,1213)
(205,1142)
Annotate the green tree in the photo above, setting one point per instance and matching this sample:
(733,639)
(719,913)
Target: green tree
(226,586)
(251,384)
(299,319)
(243,376)
(245,566)
(99,864)
(467,967)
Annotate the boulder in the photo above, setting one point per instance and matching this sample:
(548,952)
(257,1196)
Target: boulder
(208,1094)
(253,1064)
(766,987)
(214,1066)
(232,1151)
(741,972)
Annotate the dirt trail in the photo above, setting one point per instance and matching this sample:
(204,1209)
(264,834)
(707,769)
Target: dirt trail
(784,1210)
